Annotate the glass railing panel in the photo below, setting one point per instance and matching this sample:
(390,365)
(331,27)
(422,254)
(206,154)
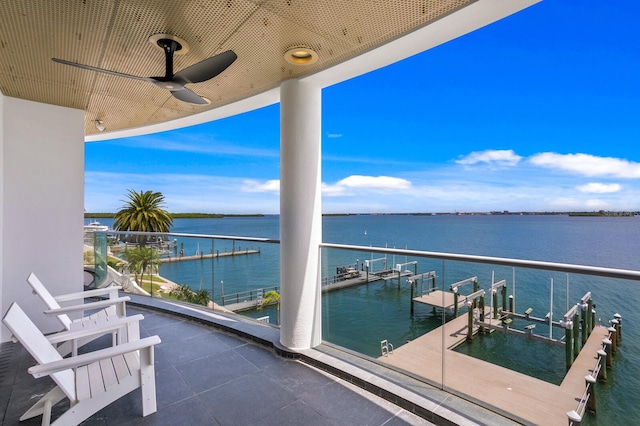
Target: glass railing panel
(370,306)
(235,273)
(528,345)
(367,304)
(100,259)
(509,338)
(95,257)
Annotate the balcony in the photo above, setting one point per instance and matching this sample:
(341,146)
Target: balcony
(216,368)
(380,305)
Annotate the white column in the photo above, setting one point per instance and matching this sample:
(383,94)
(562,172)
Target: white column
(300,214)
(42,201)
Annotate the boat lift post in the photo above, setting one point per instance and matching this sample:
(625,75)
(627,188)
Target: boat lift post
(470,302)
(399,267)
(567,323)
(368,264)
(454,288)
(585,307)
(502,285)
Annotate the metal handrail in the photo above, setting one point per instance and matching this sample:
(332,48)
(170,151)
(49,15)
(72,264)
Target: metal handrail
(179,234)
(582,404)
(534,264)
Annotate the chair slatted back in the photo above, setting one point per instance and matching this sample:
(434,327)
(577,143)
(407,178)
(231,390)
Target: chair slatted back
(38,346)
(48,299)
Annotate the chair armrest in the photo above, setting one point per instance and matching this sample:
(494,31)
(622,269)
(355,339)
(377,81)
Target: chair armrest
(101,304)
(111,291)
(105,327)
(91,357)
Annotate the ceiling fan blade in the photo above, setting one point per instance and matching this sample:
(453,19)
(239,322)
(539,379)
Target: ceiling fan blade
(88,67)
(207,69)
(186,95)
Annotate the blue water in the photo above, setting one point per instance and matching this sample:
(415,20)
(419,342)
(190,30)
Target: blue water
(359,317)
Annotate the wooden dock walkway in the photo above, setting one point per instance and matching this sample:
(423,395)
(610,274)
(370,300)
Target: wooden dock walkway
(207,256)
(440,299)
(361,279)
(520,397)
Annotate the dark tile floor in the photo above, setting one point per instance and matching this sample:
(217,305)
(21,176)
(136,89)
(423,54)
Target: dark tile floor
(207,377)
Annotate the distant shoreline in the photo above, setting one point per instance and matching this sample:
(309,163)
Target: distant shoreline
(491,213)
(178,215)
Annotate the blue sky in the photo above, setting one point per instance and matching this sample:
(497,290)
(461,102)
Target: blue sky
(537,112)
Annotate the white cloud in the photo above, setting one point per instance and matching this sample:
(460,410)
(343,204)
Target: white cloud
(501,157)
(358,185)
(334,135)
(105,192)
(251,185)
(599,188)
(335,190)
(587,165)
(374,182)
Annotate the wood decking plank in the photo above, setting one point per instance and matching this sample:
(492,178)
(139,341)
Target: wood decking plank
(525,398)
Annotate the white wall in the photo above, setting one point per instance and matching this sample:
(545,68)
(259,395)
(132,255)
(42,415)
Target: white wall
(42,200)
(1,209)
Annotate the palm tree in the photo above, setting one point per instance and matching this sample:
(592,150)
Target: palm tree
(184,292)
(142,259)
(143,212)
(270,298)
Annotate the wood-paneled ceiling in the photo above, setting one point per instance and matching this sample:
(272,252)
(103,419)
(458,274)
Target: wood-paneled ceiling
(114,34)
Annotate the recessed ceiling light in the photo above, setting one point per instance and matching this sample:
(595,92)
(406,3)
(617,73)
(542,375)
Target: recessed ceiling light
(184,47)
(301,56)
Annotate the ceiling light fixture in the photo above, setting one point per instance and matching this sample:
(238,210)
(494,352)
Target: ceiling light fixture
(100,125)
(301,56)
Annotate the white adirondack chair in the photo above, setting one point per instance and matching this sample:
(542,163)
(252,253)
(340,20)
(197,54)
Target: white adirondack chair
(107,311)
(92,380)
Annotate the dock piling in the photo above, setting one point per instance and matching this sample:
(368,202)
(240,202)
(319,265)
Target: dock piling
(585,308)
(504,298)
(575,419)
(576,333)
(471,305)
(494,295)
(602,359)
(616,324)
(591,400)
(569,346)
(607,346)
(481,307)
(455,302)
(618,317)
(613,339)
(413,286)
(590,315)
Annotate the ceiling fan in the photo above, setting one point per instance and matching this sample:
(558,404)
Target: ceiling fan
(196,73)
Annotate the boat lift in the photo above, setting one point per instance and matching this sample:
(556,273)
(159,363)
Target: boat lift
(413,282)
(368,265)
(399,267)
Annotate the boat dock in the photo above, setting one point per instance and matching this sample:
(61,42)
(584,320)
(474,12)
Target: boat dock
(520,397)
(360,277)
(207,256)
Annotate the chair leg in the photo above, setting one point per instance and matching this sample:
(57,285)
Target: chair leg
(148,381)
(43,406)
(46,416)
(133,331)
